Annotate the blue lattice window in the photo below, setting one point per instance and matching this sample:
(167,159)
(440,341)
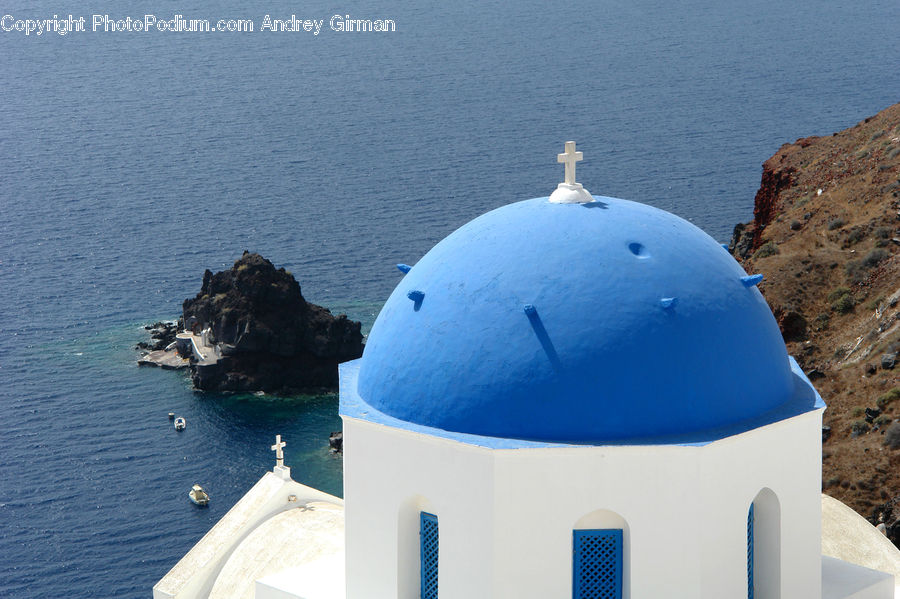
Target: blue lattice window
(597,564)
(428,540)
(750,553)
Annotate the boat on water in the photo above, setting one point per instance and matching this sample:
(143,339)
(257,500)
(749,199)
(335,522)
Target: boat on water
(180,424)
(198,495)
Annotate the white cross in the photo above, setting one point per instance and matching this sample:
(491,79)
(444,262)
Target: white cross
(570,157)
(279,455)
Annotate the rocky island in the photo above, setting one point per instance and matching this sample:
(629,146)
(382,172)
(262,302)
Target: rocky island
(249,329)
(825,235)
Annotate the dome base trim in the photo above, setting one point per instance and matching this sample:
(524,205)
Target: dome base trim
(804,399)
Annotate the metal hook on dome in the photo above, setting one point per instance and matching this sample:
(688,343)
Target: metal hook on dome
(751,280)
(544,339)
(416,296)
(668,302)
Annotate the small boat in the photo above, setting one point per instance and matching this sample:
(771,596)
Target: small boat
(180,424)
(171,415)
(198,495)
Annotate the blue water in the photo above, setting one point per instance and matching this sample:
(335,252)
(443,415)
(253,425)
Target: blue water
(130,162)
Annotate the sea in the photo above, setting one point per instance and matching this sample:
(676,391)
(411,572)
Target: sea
(132,159)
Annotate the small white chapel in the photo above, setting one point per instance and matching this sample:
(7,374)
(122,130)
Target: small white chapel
(573,396)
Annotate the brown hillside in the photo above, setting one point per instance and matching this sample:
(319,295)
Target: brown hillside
(825,235)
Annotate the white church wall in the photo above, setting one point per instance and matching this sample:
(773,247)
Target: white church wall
(387,471)
(685,509)
(408,547)
(506,516)
(843,580)
(548,493)
(784,459)
(767,545)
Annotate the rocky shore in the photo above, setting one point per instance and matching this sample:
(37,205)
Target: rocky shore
(255,332)
(162,335)
(826,236)
(159,351)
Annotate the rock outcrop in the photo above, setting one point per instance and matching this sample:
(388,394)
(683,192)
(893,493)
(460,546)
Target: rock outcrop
(268,337)
(162,334)
(826,235)
(159,351)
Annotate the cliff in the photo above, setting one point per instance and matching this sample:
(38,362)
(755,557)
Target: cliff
(270,338)
(825,235)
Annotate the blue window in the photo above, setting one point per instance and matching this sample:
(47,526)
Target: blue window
(597,564)
(428,540)
(750,553)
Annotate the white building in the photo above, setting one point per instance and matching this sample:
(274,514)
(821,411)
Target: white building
(573,396)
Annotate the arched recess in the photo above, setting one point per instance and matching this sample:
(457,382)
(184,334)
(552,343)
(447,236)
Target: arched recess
(609,520)
(764,546)
(408,547)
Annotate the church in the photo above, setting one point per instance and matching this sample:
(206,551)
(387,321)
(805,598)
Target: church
(569,396)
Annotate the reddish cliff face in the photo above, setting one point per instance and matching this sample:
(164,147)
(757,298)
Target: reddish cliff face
(775,179)
(825,235)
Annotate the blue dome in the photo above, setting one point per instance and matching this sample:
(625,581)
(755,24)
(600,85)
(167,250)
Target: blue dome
(601,322)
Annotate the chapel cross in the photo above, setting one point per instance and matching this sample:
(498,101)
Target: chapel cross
(570,157)
(279,455)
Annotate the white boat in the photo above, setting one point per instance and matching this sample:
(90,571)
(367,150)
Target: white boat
(180,424)
(198,495)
